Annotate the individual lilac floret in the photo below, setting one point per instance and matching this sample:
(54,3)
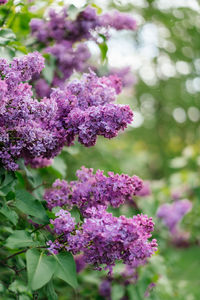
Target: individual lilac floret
(105,239)
(171,214)
(91,190)
(119,21)
(64,223)
(145,191)
(58,195)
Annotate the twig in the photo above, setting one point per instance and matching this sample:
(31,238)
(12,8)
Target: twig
(17,253)
(38,228)
(35,188)
(22,251)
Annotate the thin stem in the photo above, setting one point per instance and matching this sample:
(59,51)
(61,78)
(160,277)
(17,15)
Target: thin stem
(35,188)
(17,253)
(13,268)
(38,228)
(22,251)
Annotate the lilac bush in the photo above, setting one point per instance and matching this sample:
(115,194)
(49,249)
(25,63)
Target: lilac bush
(74,216)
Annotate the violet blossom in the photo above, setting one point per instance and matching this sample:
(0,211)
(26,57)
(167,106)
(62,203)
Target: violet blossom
(172,214)
(104,239)
(91,190)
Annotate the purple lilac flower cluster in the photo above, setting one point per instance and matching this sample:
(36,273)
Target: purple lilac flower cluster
(31,129)
(91,190)
(60,27)
(171,214)
(104,239)
(65,33)
(19,112)
(89,111)
(118,20)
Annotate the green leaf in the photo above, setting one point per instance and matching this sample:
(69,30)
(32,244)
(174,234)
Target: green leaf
(117,292)
(66,269)
(7,183)
(48,71)
(30,206)
(56,209)
(98,8)
(20,239)
(104,49)
(8,179)
(72,11)
(132,292)
(22,166)
(40,268)
(50,292)
(9,214)
(60,166)
(6,35)
(18,46)
(19,286)
(75,213)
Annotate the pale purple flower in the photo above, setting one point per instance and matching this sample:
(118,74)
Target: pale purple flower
(126,76)
(119,21)
(172,214)
(145,191)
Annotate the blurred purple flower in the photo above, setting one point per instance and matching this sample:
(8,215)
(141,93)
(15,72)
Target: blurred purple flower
(171,214)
